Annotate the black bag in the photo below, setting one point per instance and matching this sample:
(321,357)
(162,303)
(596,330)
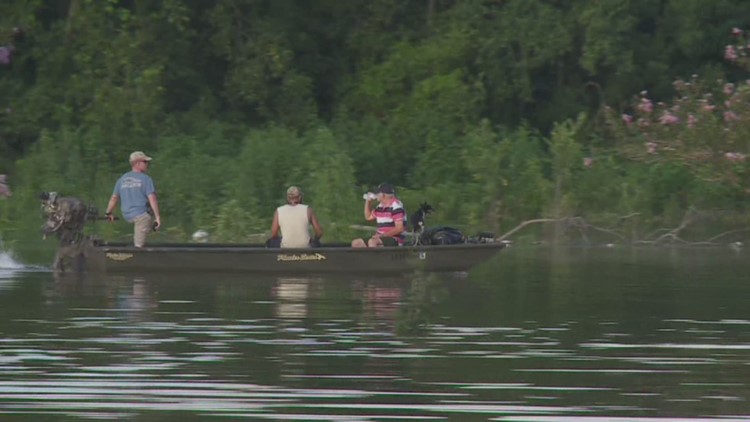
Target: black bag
(442,235)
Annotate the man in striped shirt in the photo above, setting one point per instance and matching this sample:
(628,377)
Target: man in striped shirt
(390,217)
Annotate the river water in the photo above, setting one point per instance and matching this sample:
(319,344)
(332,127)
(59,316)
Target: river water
(536,334)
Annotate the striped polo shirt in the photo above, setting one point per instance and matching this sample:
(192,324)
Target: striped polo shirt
(387,215)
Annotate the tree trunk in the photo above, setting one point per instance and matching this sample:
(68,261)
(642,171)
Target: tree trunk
(430,11)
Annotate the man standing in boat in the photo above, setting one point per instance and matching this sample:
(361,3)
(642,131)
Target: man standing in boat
(390,216)
(294,220)
(138,194)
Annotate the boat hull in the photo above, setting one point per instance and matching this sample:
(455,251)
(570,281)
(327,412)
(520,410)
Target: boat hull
(114,258)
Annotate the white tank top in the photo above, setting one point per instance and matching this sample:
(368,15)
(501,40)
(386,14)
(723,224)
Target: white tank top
(294,226)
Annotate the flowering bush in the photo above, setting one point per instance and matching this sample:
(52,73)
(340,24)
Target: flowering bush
(4,189)
(6,53)
(706,127)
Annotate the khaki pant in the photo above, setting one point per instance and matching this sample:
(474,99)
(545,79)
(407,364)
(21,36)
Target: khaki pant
(142,228)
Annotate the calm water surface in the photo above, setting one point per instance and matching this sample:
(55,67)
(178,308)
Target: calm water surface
(534,335)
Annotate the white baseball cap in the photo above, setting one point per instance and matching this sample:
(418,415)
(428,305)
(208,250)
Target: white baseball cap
(139,156)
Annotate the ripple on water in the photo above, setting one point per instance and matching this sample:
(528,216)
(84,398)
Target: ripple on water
(242,356)
(617,419)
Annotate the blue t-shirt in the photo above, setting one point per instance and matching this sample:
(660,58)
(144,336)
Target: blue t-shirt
(133,188)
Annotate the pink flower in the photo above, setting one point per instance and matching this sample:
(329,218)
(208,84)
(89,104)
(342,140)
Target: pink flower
(730,53)
(588,162)
(707,106)
(4,189)
(668,119)
(5,55)
(646,106)
(736,31)
(728,88)
(651,147)
(734,157)
(628,119)
(691,120)
(730,116)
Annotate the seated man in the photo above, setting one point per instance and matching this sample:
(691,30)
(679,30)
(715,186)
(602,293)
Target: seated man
(389,215)
(294,219)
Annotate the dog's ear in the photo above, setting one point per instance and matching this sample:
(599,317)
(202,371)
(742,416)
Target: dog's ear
(44,196)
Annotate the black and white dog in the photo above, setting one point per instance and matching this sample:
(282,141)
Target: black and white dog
(417,220)
(66,217)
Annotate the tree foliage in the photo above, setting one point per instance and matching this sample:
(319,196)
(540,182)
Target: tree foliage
(491,111)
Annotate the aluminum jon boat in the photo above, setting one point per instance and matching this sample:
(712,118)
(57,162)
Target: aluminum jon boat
(109,257)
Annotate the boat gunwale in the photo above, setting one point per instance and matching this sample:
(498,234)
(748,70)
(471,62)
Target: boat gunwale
(260,248)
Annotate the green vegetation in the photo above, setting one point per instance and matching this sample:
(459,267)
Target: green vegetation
(494,112)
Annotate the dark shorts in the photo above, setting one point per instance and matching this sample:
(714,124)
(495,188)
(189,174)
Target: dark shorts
(387,241)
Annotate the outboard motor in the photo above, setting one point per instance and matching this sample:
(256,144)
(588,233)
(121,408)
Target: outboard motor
(66,217)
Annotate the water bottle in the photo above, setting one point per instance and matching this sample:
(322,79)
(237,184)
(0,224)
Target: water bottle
(369,196)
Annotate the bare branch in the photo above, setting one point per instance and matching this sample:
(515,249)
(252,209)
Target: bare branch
(576,222)
(526,223)
(654,233)
(629,216)
(608,231)
(720,235)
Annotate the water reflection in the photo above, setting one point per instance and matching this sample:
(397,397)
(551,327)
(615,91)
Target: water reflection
(292,296)
(583,336)
(9,269)
(7,280)
(136,300)
(381,301)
